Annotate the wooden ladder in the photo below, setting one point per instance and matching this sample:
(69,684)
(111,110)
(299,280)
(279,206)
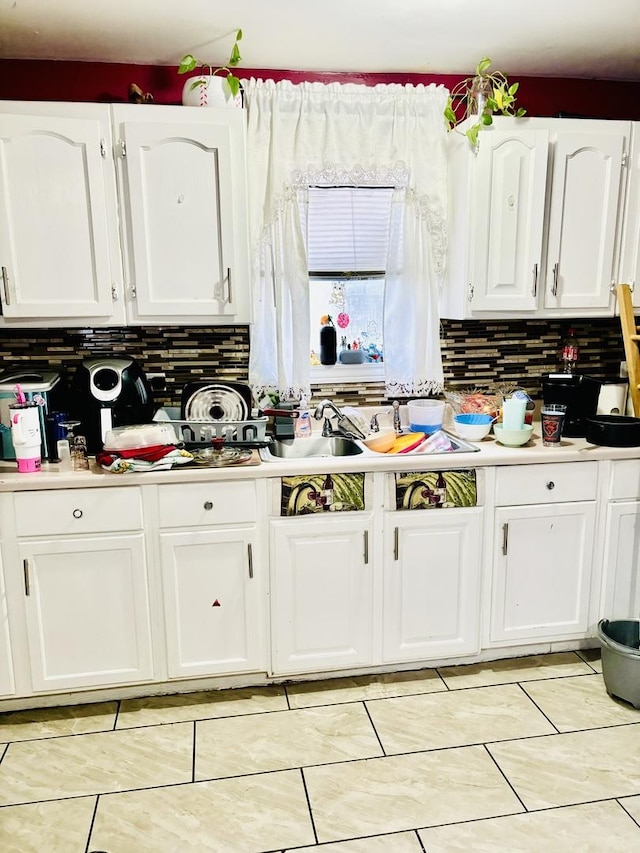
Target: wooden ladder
(631,340)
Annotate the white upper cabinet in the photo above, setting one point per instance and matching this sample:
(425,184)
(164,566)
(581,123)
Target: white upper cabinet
(535,219)
(629,272)
(122,214)
(183,213)
(509,220)
(58,226)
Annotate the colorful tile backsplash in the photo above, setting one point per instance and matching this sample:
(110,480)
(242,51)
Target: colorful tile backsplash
(475,353)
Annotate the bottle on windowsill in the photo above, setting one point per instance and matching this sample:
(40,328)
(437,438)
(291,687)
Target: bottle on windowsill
(570,352)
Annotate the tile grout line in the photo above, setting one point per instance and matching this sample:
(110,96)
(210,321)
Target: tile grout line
(193,755)
(91,825)
(306,793)
(637,823)
(504,776)
(535,704)
(375,731)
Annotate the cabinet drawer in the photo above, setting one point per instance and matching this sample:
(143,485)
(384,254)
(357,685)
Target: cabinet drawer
(625,480)
(77,511)
(554,483)
(205,504)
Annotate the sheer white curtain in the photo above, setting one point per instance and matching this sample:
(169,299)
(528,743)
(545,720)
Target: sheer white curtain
(301,135)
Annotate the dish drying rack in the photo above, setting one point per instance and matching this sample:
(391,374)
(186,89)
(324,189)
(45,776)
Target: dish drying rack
(199,434)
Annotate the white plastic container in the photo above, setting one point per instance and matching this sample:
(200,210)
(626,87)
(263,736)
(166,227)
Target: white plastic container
(425,415)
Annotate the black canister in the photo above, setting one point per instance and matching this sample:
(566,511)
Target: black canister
(328,343)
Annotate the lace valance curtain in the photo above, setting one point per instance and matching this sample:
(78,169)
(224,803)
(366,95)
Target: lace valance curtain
(307,134)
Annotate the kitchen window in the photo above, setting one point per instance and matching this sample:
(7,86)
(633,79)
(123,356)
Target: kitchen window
(347,239)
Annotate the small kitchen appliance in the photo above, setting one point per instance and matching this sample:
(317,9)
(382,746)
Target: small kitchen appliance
(106,393)
(47,388)
(579,393)
(26,436)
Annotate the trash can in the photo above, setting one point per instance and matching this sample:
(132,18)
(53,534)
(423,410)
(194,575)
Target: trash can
(620,641)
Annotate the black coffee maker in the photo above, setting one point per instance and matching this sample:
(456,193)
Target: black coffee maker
(579,393)
(109,392)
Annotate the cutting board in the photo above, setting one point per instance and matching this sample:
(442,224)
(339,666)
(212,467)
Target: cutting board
(405,443)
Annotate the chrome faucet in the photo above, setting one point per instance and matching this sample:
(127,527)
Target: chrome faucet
(344,425)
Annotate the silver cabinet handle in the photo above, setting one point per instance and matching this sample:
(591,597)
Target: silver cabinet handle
(505,537)
(366,547)
(5,286)
(395,543)
(551,485)
(229,291)
(27,581)
(554,288)
(534,289)
(208,505)
(250,557)
(77,513)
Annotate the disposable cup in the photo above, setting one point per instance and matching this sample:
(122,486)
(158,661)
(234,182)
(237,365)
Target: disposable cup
(513,412)
(425,415)
(552,421)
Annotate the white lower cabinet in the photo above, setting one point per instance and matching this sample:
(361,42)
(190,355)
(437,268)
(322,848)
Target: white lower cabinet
(322,579)
(621,598)
(7,684)
(431,583)
(212,602)
(542,571)
(213,578)
(87,611)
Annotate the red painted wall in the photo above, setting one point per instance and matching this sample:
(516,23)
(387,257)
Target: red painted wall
(108,82)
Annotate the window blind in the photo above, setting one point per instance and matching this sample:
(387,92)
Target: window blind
(348,230)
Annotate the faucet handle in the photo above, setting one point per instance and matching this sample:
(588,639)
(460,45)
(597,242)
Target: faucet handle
(397,423)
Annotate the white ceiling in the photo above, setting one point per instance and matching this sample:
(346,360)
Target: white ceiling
(554,38)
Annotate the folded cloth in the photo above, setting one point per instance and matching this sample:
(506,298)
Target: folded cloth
(158,458)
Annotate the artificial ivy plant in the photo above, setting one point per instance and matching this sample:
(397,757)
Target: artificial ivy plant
(482,95)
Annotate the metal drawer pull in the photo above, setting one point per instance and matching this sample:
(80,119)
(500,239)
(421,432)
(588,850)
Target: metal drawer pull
(551,485)
(27,582)
(366,547)
(505,537)
(77,513)
(534,289)
(554,289)
(208,505)
(250,555)
(395,543)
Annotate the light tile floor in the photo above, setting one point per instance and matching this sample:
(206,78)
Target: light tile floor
(517,756)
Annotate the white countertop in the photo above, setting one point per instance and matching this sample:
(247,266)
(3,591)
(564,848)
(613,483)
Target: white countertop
(490,453)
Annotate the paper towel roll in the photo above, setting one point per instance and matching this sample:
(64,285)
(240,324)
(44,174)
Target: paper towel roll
(612,399)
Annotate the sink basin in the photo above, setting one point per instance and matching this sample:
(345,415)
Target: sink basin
(309,448)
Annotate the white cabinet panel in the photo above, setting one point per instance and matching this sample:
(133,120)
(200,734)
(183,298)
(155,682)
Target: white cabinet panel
(431,584)
(621,598)
(542,571)
(7,685)
(508,220)
(87,611)
(583,215)
(212,602)
(321,593)
(186,235)
(56,232)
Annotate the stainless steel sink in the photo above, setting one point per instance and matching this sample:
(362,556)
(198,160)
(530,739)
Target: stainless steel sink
(309,448)
(337,446)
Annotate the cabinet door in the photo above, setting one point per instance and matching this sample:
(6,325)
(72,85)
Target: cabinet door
(542,571)
(508,220)
(629,272)
(87,611)
(212,602)
(431,584)
(621,598)
(321,593)
(583,215)
(56,241)
(184,207)
(7,686)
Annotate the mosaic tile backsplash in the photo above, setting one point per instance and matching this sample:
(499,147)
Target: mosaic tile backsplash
(475,354)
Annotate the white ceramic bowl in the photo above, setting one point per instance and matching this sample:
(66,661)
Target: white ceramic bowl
(381,442)
(472,432)
(513,437)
